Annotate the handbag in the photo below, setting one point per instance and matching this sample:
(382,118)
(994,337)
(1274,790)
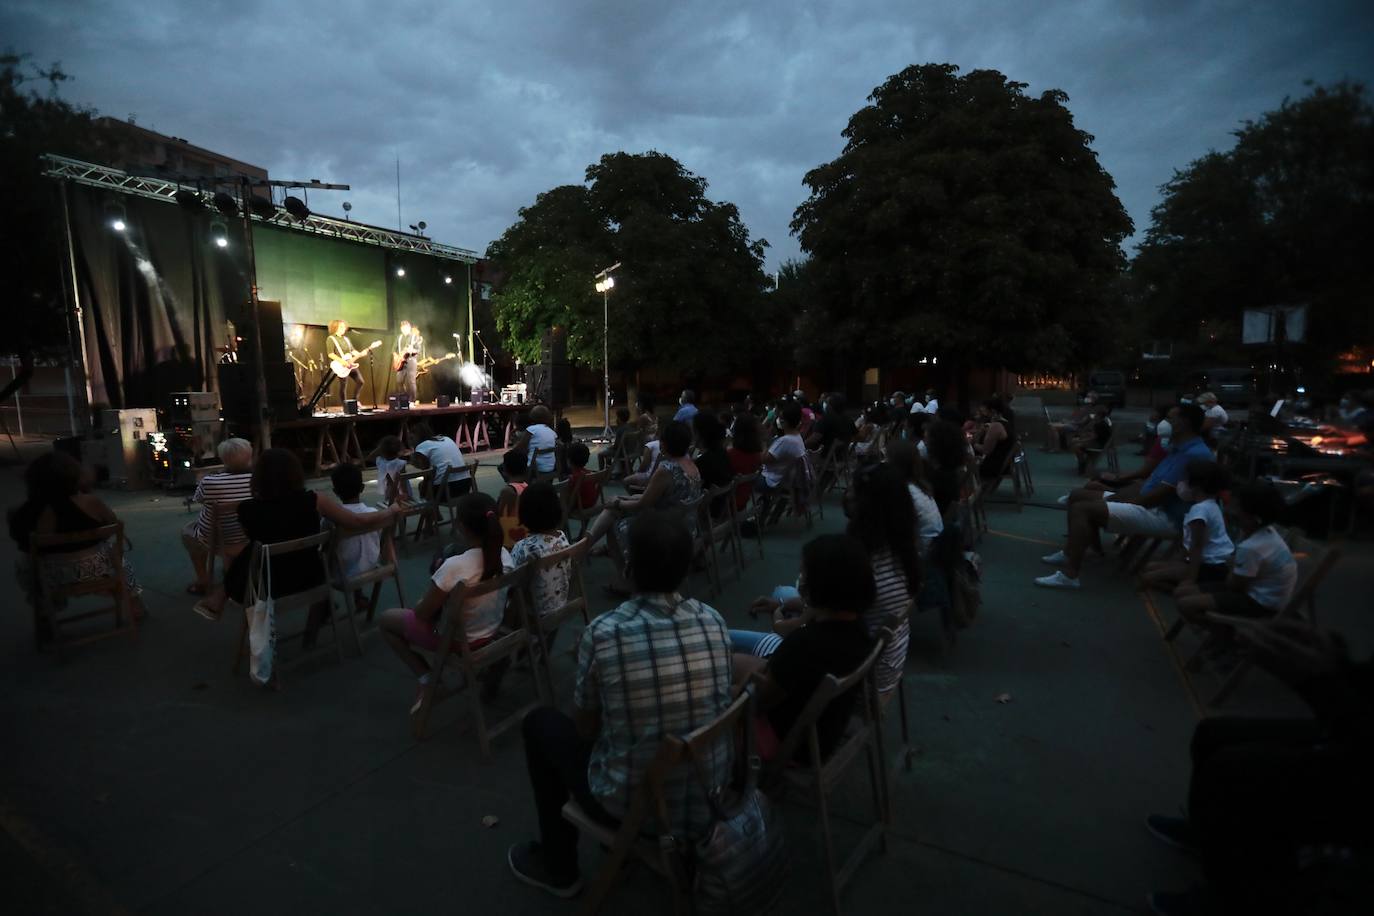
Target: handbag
(741,862)
(262,621)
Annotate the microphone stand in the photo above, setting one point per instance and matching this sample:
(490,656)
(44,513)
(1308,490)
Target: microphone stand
(486,359)
(458,345)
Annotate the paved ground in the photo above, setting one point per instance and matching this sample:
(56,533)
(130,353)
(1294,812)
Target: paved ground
(141,776)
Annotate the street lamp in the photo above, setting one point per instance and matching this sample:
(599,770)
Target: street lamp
(604,284)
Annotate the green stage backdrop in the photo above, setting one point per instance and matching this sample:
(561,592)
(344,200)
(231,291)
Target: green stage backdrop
(318,279)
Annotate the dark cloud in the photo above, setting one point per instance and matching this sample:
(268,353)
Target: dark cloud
(489,104)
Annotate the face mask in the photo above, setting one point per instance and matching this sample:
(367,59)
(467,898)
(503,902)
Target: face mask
(1185,492)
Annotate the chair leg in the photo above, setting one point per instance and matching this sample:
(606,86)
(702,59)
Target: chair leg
(1175,628)
(242,648)
(906,734)
(351,608)
(1232,681)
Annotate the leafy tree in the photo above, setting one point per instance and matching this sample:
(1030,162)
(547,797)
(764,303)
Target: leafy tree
(1285,217)
(966,220)
(31,239)
(690,293)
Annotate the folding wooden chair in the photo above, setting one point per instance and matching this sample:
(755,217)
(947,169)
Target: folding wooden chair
(625,457)
(420,506)
(829,464)
(647,828)
(49,604)
(891,624)
(1010,472)
(1108,451)
(574,513)
(1020,465)
(454,648)
(817,777)
(444,504)
(387,568)
(722,532)
(752,509)
(536,475)
(795,493)
(548,620)
(264,554)
(971,499)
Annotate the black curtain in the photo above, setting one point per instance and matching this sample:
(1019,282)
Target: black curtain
(155,295)
(437,309)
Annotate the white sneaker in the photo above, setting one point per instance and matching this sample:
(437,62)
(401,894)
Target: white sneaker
(1064,500)
(1055,559)
(1058,580)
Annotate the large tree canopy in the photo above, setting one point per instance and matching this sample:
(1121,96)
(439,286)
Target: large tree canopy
(964,220)
(690,293)
(1285,217)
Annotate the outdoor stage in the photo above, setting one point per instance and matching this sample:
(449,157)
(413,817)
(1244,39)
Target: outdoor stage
(338,438)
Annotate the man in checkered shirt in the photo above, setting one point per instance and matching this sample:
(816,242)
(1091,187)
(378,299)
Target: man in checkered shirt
(655,666)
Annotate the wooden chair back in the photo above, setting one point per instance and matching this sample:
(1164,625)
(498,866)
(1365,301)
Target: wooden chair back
(263,555)
(751,508)
(421,504)
(804,731)
(546,621)
(575,513)
(626,456)
(388,567)
(49,603)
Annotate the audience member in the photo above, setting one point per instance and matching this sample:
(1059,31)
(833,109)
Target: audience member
(563,433)
(745,454)
(1215,416)
(359,553)
(586,492)
(820,634)
(992,443)
(1095,435)
(429,450)
(882,517)
(515,468)
(834,428)
(622,426)
(687,406)
(541,515)
(231,485)
(58,501)
(655,666)
(931,403)
(391,464)
(785,451)
(283,509)
(712,460)
(946,451)
(1207,548)
(1153,511)
(868,432)
(538,439)
(406,629)
(907,461)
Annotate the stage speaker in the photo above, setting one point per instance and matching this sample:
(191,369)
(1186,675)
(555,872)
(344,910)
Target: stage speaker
(551,384)
(351,408)
(238,391)
(398,401)
(444,401)
(273,334)
(553,346)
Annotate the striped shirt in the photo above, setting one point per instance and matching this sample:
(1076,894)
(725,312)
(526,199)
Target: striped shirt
(655,666)
(890,578)
(215,488)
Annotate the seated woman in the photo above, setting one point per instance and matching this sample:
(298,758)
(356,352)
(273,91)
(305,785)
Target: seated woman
(904,457)
(712,460)
(58,501)
(745,454)
(406,629)
(233,484)
(675,482)
(283,509)
(991,442)
(946,448)
(824,636)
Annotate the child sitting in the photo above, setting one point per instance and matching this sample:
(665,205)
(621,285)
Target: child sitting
(1207,548)
(1264,574)
(356,553)
(586,492)
(515,468)
(541,514)
(391,464)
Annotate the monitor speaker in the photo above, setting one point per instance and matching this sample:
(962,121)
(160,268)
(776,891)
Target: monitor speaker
(444,401)
(238,392)
(553,346)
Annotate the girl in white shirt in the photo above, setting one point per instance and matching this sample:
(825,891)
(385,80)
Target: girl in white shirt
(1207,548)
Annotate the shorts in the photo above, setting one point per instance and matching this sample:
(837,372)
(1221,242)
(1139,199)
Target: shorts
(420,633)
(1129,518)
(754,642)
(1212,572)
(1237,604)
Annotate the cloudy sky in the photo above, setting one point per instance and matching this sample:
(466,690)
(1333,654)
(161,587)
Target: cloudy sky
(488,104)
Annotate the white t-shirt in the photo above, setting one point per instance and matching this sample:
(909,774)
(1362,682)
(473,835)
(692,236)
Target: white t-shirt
(359,552)
(1264,557)
(1218,547)
(389,469)
(443,454)
(932,406)
(483,616)
(929,524)
(786,449)
(542,437)
(1215,412)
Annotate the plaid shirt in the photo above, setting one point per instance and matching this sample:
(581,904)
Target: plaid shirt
(657,665)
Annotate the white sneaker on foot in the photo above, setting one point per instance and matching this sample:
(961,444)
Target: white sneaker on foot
(1055,559)
(1064,500)
(1058,580)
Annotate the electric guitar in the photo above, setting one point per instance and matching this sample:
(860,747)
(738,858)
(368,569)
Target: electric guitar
(349,361)
(428,362)
(399,359)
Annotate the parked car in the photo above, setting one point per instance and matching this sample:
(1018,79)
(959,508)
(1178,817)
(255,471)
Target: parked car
(1234,386)
(1109,385)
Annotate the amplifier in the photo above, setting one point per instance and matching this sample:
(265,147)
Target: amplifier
(398,402)
(193,407)
(444,401)
(124,434)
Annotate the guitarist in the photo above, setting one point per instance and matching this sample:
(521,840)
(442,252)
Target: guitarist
(409,346)
(341,348)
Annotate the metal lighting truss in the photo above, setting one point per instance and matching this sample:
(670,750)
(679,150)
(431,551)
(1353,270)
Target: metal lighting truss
(99,176)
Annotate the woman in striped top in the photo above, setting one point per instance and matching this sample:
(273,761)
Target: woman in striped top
(233,485)
(882,517)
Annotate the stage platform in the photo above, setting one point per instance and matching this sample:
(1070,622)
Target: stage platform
(334,438)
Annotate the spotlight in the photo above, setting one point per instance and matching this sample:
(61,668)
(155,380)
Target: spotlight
(348,208)
(400,271)
(226,205)
(261,207)
(297,208)
(189,199)
(118,225)
(448,281)
(220,233)
(114,212)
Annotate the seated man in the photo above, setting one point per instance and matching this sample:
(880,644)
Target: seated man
(1155,511)
(1077,421)
(657,665)
(233,484)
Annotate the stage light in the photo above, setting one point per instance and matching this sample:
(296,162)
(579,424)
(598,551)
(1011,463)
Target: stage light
(220,234)
(348,209)
(118,225)
(226,205)
(114,213)
(448,281)
(297,208)
(261,207)
(400,271)
(189,199)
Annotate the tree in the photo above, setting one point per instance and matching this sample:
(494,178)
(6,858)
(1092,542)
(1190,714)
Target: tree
(964,220)
(690,293)
(31,240)
(1285,217)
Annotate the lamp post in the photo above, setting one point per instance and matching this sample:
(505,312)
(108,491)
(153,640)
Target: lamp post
(604,284)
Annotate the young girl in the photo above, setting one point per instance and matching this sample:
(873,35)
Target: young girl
(541,512)
(391,464)
(1207,548)
(515,468)
(406,629)
(1264,574)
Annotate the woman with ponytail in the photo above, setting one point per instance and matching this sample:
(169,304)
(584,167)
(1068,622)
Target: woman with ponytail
(404,628)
